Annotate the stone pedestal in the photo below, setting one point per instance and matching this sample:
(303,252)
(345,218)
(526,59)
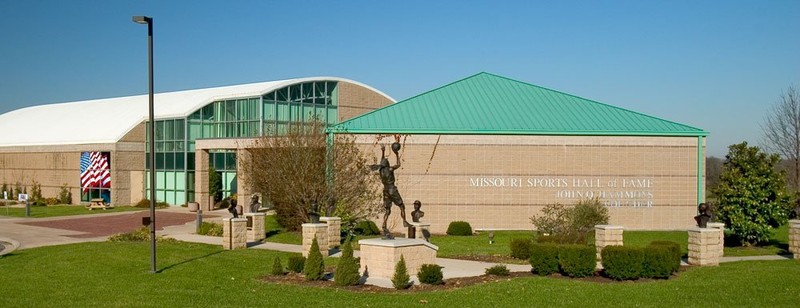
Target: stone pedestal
(334,230)
(794,237)
(234,233)
(379,257)
(606,235)
(704,246)
(320,231)
(721,227)
(255,226)
(418,228)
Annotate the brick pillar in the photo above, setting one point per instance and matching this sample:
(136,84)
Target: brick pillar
(721,227)
(256,230)
(334,230)
(201,179)
(704,246)
(243,189)
(321,232)
(606,235)
(234,233)
(794,238)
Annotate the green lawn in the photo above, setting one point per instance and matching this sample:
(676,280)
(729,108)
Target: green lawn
(116,274)
(778,244)
(61,210)
(478,244)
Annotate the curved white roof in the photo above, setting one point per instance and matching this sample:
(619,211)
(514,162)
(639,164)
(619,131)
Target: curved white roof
(108,120)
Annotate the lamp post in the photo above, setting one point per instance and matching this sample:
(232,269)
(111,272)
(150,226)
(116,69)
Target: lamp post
(151,137)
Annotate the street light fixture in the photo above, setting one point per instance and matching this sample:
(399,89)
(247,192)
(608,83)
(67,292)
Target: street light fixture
(151,138)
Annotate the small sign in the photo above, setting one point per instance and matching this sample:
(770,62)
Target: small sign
(5,195)
(23,198)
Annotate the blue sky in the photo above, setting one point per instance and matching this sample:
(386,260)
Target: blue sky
(717,65)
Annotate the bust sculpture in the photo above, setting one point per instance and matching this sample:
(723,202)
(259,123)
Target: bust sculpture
(313,215)
(417,214)
(232,209)
(704,215)
(254,204)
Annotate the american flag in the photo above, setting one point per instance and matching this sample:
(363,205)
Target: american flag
(94,170)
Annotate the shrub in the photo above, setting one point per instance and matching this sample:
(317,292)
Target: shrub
(139,235)
(544,259)
(210,229)
(430,274)
(347,269)
(315,265)
(521,248)
(498,270)
(657,262)
(36,193)
(675,250)
(401,279)
(367,227)
(65,196)
(50,201)
(571,224)
(460,228)
(277,267)
(577,260)
(622,262)
(145,204)
(296,264)
(548,239)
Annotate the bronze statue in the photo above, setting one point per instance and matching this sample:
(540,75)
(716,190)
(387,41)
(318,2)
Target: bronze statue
(313,215)
(390,192)
(417,214)
(704,215)
(254,204)
(232,208)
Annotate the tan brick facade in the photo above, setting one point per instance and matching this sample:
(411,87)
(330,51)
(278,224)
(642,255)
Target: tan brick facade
(53,166)
(500,181)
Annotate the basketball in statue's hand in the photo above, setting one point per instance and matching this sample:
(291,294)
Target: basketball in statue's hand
(396,147)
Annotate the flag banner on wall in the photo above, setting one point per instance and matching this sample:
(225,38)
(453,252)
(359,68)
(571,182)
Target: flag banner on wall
(95,170)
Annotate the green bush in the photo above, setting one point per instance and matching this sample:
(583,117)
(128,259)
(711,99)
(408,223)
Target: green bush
(347,269)
(460,228)
(36,193)
(547,239)
(430,274)
(210,229)
(675,250)
(577,260)
(544,258)
(622,262)
(498,270)
(65,196)
(521,248)
(657,262)
(277,267)
(401,280)
(139,235)
(367,227)
(571,224)
(50,201)
(145,204)
(315,265)
(296,264)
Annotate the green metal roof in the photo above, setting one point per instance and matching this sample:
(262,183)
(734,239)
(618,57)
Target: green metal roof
(489,104)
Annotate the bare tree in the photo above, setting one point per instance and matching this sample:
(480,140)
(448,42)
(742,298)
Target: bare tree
(299,169)
(782,131)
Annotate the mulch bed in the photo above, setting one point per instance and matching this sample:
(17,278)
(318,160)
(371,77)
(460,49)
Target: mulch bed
(449,284)
(105,225)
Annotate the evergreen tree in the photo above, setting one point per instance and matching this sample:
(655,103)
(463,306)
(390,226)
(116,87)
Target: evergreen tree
(752,194)
(277,267)
(315,265)
(347,268)
(401,279)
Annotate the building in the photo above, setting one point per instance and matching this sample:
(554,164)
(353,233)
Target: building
(494,151)
(97,148)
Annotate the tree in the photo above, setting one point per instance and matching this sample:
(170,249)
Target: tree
(752,194)
(713,170)
(214,184)
(314,268)
(347,268)
(782,131)
(301,168)
(401,280)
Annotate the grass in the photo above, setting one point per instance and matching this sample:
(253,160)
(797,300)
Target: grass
(61,210)
(459,246)
(778,244)
(117,274)
(278,234)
